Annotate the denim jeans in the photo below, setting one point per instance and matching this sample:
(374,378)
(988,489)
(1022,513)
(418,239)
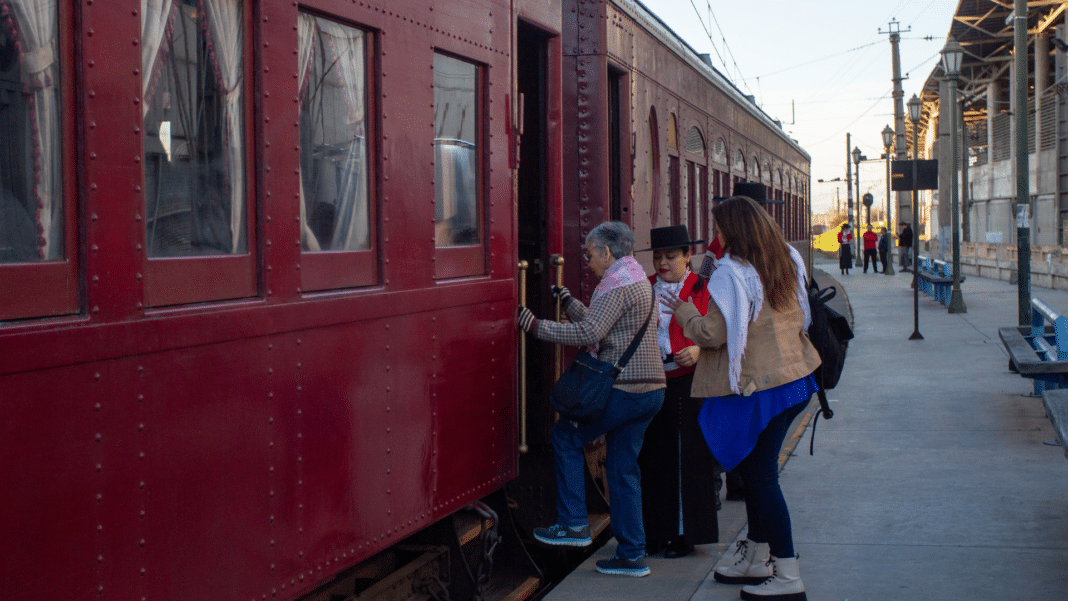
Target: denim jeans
(765,507)
(623,423)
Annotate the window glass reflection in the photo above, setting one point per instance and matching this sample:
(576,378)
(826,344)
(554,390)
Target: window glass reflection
(31,169)
(456,207)
(193,88)
(334,210)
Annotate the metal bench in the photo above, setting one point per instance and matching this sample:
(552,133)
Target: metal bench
(1040,352)
(935,278)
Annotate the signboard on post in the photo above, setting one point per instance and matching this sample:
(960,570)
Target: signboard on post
(926,175)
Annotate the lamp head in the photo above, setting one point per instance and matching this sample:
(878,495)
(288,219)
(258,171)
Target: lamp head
(856,155)
(888,137)
(952,55)
(915,108)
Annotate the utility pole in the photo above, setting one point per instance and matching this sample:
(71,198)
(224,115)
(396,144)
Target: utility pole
(849,185)
(904,207)
(1023,193)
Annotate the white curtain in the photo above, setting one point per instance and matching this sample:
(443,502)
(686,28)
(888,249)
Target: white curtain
(156,16)
(351,227)
(38,24)
(225,24)
(305,37)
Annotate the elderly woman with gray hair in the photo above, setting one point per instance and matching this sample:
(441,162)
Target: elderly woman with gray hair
(621,303)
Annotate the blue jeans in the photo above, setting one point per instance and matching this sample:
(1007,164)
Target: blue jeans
(623,423)
(765,507)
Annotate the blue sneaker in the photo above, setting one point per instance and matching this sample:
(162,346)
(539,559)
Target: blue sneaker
(623,567)
(558,535)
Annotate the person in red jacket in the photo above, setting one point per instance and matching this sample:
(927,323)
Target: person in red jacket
(871,251)
(678,490)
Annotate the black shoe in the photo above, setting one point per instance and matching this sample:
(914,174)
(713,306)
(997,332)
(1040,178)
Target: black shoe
(677,548)
(654,547)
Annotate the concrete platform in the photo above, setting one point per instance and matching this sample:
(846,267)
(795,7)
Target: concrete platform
(932,481)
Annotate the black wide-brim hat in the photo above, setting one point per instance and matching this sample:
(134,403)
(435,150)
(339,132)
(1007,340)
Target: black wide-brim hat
(672,236)
(755,190)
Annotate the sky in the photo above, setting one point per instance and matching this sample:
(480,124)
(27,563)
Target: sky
(822,68)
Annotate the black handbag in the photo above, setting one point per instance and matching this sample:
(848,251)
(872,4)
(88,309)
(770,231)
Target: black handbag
(582,391)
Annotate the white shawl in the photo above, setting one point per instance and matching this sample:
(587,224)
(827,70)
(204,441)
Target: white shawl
(736,289)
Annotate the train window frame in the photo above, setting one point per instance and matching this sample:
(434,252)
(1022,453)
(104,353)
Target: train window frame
(324,270)
(459,261)
(56,283)
(184,280)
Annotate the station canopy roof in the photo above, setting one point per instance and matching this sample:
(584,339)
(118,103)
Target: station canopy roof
(985,29)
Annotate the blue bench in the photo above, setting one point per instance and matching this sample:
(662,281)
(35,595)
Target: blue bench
(1040,351)
(935,278)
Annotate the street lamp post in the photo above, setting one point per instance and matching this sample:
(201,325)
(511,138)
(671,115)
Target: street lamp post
(857,157)
(915,112)
(951,59)
(888,266)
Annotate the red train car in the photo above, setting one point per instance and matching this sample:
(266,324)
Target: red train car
(258,271)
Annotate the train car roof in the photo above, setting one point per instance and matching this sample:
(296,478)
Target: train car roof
(652,23)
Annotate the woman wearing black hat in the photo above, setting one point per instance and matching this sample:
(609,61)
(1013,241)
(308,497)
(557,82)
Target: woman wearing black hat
(678,494)
(845,250)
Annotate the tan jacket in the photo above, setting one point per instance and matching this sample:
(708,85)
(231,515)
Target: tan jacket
(777,350)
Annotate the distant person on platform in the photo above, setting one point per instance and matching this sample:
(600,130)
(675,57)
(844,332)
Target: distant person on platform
(678,496)
(871,240)
(904,241)
(884,248)
(845,249)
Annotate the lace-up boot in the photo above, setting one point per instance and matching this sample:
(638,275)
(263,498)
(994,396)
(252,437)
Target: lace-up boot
(784,585)
(751,564)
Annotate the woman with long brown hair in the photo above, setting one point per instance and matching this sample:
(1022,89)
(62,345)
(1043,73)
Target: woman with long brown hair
(755,374)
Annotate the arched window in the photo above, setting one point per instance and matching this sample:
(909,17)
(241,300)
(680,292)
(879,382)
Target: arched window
(695,142)
(719,151)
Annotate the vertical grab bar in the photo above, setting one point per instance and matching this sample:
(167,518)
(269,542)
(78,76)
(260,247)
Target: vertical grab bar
(557,261)
(523,266)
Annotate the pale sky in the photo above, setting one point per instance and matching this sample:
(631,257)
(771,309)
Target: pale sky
(821,67)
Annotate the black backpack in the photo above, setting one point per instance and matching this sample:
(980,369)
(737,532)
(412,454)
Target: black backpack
(830,334)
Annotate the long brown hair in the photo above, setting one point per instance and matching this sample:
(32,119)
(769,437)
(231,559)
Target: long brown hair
(751,236)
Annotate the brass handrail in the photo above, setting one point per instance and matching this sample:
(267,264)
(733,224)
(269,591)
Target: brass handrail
(557,261)
(523,266)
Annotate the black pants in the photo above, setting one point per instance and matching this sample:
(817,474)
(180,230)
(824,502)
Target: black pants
(882,259)
(870,253)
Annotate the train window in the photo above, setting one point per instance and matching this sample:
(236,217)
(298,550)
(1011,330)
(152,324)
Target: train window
(455,152)
(654,168)
(457,167)
(31,183)
(195,167)
(335,159)
(36,214)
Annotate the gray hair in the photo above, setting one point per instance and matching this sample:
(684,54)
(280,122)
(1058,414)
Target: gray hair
(616,235)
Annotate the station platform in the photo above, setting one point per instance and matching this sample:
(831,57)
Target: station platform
(932,481)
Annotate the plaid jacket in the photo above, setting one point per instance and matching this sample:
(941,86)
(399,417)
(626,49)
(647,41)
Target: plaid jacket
(613,321)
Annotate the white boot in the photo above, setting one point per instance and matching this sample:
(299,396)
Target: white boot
(784,585)
(751,564)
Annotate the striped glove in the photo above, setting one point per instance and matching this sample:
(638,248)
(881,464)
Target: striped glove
(563,294)
(526,319)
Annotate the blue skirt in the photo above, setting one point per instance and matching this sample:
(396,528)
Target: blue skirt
(732,424)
